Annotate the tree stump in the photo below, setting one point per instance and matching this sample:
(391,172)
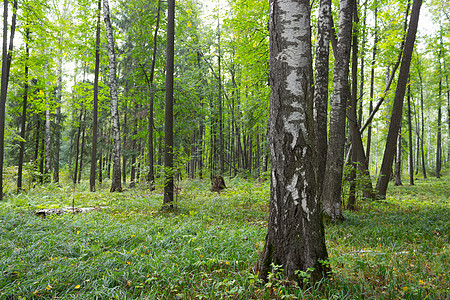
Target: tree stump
(217,184)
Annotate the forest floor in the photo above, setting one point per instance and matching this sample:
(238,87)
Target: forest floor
(392,249)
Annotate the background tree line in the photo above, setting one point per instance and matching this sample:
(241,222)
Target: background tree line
(221,91)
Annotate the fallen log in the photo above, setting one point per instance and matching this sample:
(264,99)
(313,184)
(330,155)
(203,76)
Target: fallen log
(58,211)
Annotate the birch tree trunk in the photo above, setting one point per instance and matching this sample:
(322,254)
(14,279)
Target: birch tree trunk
(115,184)
(95,108)
(372,85)
(321,87)
(57,142)
(48,133)
(410,139)
(386,166)
(295,237)
(332,185)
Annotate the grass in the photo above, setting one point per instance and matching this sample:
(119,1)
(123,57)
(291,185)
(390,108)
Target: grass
(393,249)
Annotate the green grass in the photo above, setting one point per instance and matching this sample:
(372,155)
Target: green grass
(393,249)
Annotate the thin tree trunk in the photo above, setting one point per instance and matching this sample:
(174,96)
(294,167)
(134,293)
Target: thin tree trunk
(386,167)
(77,152)
(57,141)
(332,185)
(168,111)
(351,108)
(24,110)
(83,143)
(398,159)
(422,134)
(95,108)
(42,157)
(48,133)
(221,141)
(115,184)
(363,49)
(125,134)
(151,174)
(372,84)
(100,162)
(193,158)
(439,117)
(410,139)
(133,149)
(6,65)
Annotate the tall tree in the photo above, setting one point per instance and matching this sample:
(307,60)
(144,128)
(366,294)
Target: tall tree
(116,185)
(6,65)
(295,237)
(168,125)
(410,140)
(48,125)
(397,108)
(321,86)
(95,108)
(24,108)
(332,185)
(372,83)
(150,175)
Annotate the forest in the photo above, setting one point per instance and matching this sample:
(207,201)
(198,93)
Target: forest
(238,149)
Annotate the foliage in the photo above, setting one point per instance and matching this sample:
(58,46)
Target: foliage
(398,248)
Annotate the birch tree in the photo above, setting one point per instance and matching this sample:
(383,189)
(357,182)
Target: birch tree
(295,237)
(116,184)
(332,185)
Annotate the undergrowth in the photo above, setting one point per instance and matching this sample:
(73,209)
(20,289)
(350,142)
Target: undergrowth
(206,248)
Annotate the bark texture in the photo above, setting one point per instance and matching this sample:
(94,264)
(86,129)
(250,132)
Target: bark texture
(321,86)
(168,110)
(116,184)
(295,238)
(95,108)
(332,185)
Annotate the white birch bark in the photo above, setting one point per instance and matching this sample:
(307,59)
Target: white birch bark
(332,185)
(116,184)
(48,137)
(295,235)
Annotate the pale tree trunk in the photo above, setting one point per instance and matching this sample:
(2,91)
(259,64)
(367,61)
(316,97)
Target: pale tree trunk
(372,85)
(410,139)
(115,184)
(396,118)
(448,112)
(57,141)
(321,87)
(295,238)
(422,126)
(168,110)
(332,185)
(48,133)
(221,141)
(95,108)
